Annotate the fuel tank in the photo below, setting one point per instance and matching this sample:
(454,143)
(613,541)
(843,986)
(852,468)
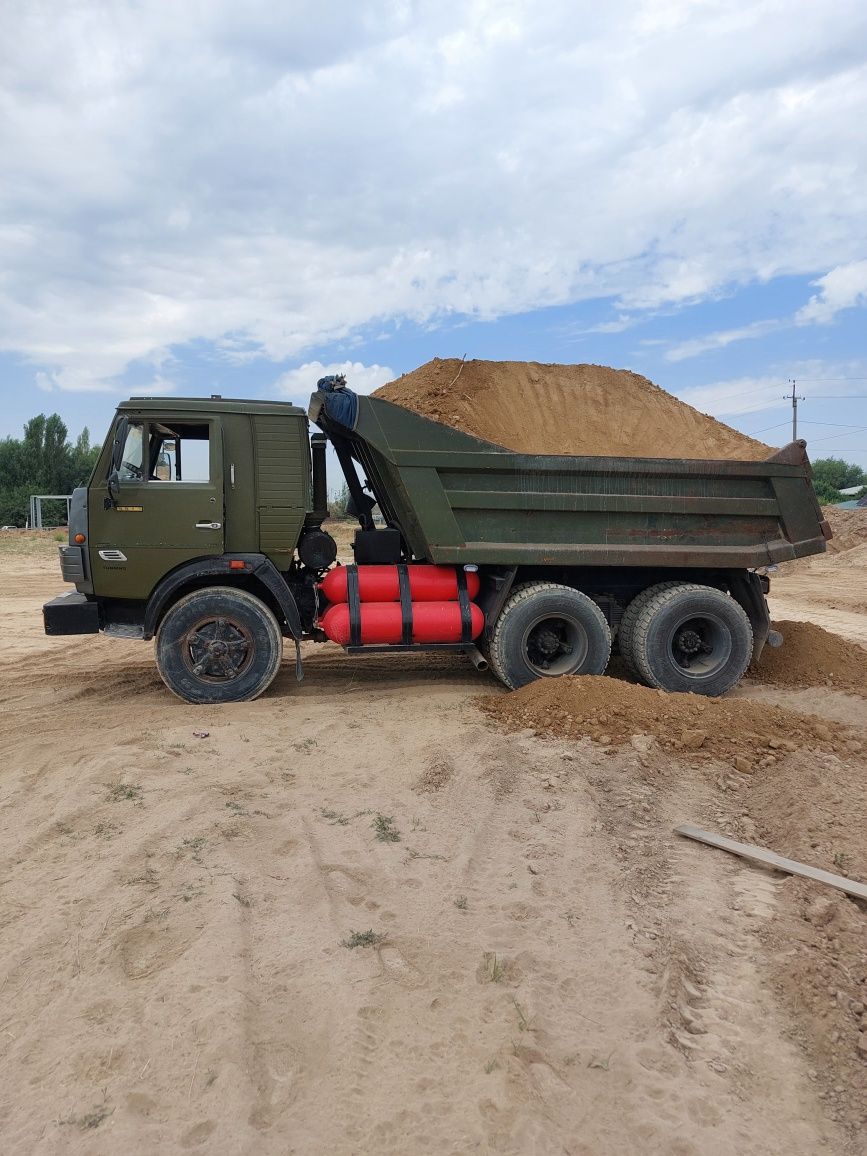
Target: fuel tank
(382,622)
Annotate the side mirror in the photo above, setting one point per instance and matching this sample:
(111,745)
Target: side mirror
(114,486)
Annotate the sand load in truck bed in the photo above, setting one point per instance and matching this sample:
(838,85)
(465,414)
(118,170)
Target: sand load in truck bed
(566,409)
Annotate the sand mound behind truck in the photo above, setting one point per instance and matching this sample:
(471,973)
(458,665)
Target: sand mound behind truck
(566,409)
(812,656)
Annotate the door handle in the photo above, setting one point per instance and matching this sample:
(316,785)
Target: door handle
(208,525)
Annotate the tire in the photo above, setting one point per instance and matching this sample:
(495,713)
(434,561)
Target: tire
(212,632)
(631,614)
(692,638)
(539,617)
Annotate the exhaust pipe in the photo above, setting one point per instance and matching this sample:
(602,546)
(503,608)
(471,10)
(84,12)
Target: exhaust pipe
(476,658)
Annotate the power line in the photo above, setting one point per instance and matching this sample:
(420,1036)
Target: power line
(830,437)
(840,424)
(766,428)
(731,396)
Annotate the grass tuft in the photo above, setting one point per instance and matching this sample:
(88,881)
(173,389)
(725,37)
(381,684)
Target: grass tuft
(195,847)
(494,970)
(525,1023)
(368,938)
(119,792)
(148,878)
(411,854)
(335,818)
(89,1120)
(386,832)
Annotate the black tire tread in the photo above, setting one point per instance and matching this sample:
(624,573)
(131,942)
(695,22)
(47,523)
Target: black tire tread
(521,594)
(252,603)
(626,629)
(652,607)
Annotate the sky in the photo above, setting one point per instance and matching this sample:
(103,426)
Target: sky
(212,197)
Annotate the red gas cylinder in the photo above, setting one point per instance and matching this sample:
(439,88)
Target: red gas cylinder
(382,622)
(380,583)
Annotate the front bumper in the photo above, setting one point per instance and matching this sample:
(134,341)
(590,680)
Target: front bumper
(71,614)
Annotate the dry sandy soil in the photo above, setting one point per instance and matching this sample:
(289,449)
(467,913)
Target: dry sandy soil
(558,972)
(833,584)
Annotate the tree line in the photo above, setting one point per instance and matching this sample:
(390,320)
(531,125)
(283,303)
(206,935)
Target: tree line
(831,475)
(44,461)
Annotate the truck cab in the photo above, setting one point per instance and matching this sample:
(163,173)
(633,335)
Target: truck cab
(188,493)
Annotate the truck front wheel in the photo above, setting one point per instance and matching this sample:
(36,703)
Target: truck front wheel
(218,645)
(690,637)
(546,630)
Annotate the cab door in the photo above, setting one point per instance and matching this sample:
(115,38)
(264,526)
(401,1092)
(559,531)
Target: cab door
(166,507)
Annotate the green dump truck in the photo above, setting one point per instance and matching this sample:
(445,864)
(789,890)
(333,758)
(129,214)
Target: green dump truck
(202,528)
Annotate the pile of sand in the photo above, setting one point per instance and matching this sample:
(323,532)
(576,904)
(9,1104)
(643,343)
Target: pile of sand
(743,733)
(812,656)
(848,546)
(849,528)
(566,409)
(837,578)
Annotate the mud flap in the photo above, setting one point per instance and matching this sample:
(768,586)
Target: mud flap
(746,589)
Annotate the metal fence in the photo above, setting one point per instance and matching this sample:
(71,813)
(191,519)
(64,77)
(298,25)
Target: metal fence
(36,501)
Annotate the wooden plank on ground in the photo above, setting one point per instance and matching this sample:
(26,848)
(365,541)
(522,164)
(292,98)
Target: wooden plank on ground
(772,859)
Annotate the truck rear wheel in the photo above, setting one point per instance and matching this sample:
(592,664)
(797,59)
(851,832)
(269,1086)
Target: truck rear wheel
(631,614)
(692,638)
(546,630)
(218,645)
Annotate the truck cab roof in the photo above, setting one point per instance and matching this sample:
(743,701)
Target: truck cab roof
(208,405)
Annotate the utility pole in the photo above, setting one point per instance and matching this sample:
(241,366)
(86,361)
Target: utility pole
(794,398)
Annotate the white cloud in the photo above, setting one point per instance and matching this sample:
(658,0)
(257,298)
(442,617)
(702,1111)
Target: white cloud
(269,182)
(842,288)
(70,379)
(619,325)
(299,383)
(719,340)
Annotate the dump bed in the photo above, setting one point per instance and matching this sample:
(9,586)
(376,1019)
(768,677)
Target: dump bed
(457,498)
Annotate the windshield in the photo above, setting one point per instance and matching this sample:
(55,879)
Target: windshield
(131,462)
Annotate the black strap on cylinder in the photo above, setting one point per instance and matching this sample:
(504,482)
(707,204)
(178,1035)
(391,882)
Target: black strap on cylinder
(354,601)
(464,600)
(405,604)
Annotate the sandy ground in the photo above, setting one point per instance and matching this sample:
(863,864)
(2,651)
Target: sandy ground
(558,972)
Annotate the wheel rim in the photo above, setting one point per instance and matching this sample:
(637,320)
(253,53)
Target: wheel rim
(217,649)
(699,646)
(554,645)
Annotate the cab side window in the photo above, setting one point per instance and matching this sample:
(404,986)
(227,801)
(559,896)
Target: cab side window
(166,451)
(179,452)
